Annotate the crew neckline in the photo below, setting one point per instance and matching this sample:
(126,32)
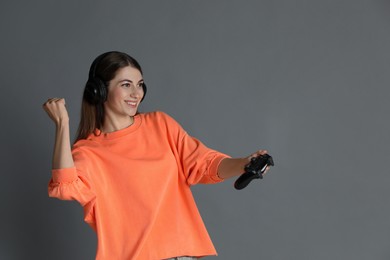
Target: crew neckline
(98,135)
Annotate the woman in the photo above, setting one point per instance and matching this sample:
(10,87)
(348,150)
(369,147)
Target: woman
(132,171)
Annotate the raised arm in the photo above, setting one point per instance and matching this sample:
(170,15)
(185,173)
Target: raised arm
(62,155)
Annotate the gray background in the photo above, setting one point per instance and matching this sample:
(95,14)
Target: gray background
(307,80)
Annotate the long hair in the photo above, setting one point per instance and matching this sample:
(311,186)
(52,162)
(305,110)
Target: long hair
(104,67)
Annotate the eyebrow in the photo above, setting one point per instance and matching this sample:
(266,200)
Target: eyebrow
(123,80)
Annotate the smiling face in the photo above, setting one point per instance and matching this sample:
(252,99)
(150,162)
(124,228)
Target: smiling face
(125,93)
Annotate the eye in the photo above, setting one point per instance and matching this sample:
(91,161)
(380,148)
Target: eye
(141,85)
(126,85)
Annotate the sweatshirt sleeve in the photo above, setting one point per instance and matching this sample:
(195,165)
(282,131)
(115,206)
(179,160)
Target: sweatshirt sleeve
(199,163)
(71,184)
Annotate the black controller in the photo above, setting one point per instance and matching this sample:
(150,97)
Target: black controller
(254,170)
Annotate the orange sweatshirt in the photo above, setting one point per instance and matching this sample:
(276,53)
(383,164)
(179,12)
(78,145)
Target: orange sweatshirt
(134,186)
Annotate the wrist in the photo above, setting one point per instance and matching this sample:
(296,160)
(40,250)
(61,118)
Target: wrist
(231,167)
(62,122)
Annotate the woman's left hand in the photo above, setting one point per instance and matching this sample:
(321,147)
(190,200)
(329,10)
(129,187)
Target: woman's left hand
(259,153)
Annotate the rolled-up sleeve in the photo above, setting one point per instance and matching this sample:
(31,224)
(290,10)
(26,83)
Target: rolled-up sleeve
(68,184)
(200,163)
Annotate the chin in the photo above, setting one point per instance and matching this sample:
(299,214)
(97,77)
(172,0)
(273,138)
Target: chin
(132,113)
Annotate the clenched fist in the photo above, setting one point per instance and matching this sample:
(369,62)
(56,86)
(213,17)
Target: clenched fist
(55,108)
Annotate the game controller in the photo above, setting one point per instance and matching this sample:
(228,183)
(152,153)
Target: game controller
(254,170)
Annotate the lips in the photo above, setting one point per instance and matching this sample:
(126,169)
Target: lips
(131,103)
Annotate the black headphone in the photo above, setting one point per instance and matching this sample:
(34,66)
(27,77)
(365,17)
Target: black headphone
(95,91)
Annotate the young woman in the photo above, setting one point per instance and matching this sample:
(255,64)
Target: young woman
(131,171)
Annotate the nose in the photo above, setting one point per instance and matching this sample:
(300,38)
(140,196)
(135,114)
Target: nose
(136,92)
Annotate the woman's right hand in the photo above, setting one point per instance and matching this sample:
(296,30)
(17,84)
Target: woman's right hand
(55,108)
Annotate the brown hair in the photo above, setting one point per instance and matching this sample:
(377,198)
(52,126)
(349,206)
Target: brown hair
(104,68)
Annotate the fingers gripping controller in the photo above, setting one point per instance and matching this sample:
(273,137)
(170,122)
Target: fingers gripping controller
(254,170)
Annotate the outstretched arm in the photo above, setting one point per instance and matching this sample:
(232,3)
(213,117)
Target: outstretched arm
(62,155)
(231,167)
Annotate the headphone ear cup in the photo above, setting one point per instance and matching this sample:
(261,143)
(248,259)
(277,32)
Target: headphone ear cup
(95,91)
(145,90)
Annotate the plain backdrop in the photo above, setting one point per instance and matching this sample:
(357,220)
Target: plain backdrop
(308,80)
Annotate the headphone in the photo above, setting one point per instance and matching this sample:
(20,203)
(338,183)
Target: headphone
(95,91)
